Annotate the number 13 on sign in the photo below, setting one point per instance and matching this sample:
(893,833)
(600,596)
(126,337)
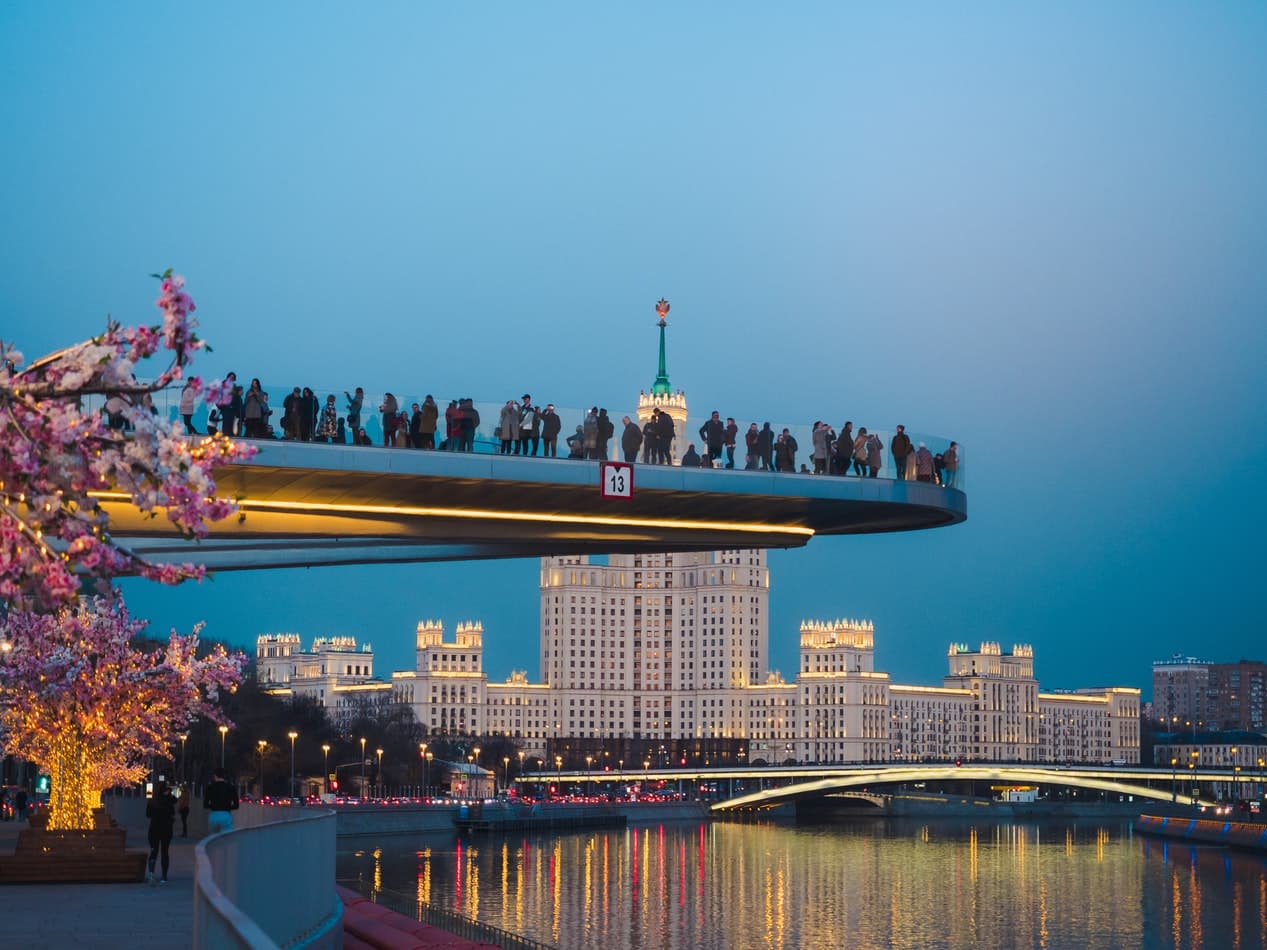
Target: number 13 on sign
(617,480)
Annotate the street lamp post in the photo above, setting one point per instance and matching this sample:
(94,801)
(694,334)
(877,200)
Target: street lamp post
(1173,762)
(183,737)
(224,731)
(589,773)
(378,776)
(261,745)
(505,772)
(361,790)
(422,764)
(521,771)
(293,736)
(1192,765)
(325,767)
(558,772)
(427,778)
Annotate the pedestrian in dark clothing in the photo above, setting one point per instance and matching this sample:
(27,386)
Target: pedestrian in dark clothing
(690,459)
(391,418)
(900,446)
(842,455)
(529,425)
(785,452)
(290,414)
(728,442)
(161,811)
(415,426)
(651,438)
(354,408)
(666,439)
(20,801)
(606,429)
(230,411)
(550,426)
(576,444)
(183,810)
(752,439)
(630,440)
(713,434)
(765,447)
(470,422)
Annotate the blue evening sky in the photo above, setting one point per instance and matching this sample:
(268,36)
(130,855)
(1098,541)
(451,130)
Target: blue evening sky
(1039,229)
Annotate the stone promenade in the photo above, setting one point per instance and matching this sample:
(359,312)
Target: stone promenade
(101,916)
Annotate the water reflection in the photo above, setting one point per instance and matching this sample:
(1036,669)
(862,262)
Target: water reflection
(871,884)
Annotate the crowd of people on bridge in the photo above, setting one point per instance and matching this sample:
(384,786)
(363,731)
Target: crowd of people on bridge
(525,428)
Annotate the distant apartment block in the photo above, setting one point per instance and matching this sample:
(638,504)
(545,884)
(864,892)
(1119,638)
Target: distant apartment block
(1192,695)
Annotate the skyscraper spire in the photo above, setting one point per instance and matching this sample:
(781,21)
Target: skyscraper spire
(661,385)
(662,397)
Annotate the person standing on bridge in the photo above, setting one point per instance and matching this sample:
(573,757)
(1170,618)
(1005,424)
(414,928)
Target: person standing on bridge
(765,447)
(875,453)
(427,427)
(728,441)
(630,440)
(529,426)
(666,439)
(391,416)
(508,426)
(900,446)
(713,435)
(354,409)
(651,438)
(550,426)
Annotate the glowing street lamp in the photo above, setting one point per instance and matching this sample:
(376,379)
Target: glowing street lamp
(1173,762)
(261,745)
(589,765)
(293,736)
(183,736)
(325,766)
(422,760)
(430,756)
(224,731)
(379,774)
(505,771)
(558,772)
(362,790)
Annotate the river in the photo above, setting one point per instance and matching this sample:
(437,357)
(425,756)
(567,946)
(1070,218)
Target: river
(862,884)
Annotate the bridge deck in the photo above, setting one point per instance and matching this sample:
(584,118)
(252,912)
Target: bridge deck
(307,504)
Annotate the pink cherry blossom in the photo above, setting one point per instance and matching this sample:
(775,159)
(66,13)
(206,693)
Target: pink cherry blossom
(56,452)
(84,703)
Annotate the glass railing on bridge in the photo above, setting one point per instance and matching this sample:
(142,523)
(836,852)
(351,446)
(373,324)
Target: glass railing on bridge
(486,438)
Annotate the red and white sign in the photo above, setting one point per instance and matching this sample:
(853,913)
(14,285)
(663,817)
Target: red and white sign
(616,480)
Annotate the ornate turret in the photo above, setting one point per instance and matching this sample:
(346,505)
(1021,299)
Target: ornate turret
(661,396)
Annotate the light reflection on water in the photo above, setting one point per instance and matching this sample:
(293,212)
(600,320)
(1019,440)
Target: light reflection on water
(869,884)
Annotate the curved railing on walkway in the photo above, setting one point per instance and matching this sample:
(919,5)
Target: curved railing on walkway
(269,883)
(486,441)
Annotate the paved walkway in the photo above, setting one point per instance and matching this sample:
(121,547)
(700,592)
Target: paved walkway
(101,916)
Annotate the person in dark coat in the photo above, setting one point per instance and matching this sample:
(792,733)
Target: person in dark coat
(752,442)
(183,810)
(900,446)
(550,426)
(765,447)
(713,434)
(666,439)
(690,459)
(161,811)
(630,440)
(651,439)
(606,429)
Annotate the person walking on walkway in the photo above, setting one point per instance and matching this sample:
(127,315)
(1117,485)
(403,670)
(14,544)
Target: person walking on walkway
(183,810)
(221,801)
(161,811)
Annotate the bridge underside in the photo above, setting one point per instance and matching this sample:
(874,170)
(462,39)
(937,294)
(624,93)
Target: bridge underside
(306,504)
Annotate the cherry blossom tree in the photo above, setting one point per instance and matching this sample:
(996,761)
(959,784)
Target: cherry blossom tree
(57,455)
(78,699)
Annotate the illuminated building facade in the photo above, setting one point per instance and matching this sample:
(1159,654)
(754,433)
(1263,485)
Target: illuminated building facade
(1192,695)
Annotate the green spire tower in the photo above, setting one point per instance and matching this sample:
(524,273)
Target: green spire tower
(662,396)
(661,385)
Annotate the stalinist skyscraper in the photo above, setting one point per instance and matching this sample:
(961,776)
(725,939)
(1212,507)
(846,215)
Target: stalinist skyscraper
(655,646)
(662,397)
